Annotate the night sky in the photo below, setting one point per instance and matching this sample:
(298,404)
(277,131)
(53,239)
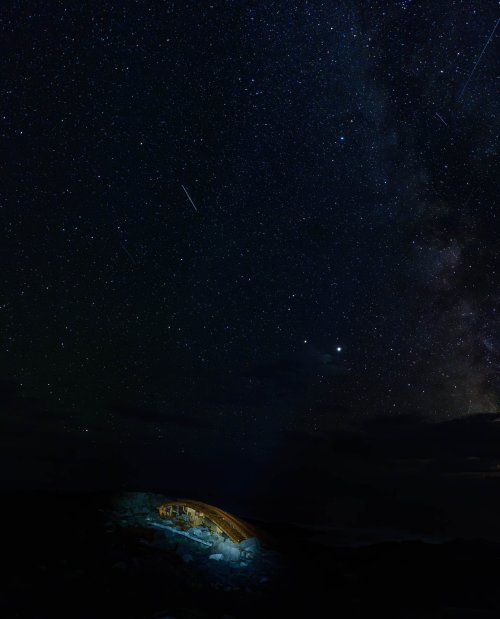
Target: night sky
(230,227)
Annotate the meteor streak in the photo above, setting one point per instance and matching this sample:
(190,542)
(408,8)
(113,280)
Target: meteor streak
(189,198)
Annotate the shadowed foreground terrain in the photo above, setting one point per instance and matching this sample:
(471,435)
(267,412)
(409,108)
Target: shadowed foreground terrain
(63,559)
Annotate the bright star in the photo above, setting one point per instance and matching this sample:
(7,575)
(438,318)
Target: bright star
(339,348)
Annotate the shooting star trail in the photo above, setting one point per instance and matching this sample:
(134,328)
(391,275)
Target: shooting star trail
(441,118)
(189,198)
(128,253)
(479,59)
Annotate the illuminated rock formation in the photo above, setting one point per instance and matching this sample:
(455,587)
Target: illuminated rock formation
(188,514)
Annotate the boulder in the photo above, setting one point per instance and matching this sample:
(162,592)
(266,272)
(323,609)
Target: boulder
(120,565)
(183,549)
(216,557)
(251,544)
(228,550)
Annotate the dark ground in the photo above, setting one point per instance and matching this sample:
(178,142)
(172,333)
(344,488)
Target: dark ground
(61,560)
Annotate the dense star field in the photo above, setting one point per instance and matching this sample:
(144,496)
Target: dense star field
(227,225)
